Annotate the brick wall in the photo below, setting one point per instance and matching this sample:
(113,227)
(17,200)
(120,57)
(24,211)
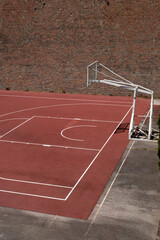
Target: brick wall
(46,45)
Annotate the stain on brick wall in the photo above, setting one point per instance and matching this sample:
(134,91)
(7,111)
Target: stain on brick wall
(46,45)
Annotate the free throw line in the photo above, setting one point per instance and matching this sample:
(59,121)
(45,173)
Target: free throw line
(48,145)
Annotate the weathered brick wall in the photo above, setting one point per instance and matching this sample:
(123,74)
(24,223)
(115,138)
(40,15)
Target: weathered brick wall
(46,45)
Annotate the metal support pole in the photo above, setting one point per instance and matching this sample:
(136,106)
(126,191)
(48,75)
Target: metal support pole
(87,76)
(133,113)
(150,118)
(96,71)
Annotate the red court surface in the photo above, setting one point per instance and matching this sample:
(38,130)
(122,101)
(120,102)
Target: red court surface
(58,151)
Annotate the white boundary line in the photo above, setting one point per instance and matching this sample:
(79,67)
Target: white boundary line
(36,183)
(78,119)
(16,127)
(32,195)
(47,145)
(60,105)
(74,127)
(43,144)
(109,189)
(14,180)
(68,99)
(12,119)
(98,154)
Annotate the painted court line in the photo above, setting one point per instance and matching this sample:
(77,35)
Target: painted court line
(60,105)
(72,128)
(33,195)
(98,154)
(16,127)
(46,145)
(78,119)
(36,183)
(72,189)
(11,119)
(66,99)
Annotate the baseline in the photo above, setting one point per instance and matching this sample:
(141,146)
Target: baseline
(56,98)
(48,145)
(60,105)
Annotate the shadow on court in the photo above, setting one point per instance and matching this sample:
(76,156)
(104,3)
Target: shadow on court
(122,128)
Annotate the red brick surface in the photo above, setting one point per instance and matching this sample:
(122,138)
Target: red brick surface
(46,45)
